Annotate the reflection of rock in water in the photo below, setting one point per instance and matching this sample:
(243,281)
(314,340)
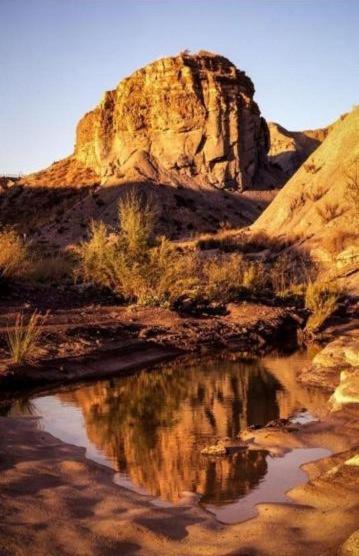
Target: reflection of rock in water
(153,425)
(229,478)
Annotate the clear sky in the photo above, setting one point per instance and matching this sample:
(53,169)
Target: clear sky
(59,56)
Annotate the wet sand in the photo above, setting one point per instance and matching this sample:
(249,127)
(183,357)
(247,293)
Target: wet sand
(56,501)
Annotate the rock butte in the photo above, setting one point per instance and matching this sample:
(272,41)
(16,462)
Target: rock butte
(189,119)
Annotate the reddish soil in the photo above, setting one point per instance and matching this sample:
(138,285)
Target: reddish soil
(94,339)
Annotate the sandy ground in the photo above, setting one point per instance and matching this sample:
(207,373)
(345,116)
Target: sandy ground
(55,501)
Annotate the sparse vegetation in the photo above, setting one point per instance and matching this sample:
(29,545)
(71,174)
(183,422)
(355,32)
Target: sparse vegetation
(321,298)
(329,211)
(296,203)
(311,168)
(316,194)
(13,254)
(131,262)
(339,240)
(146,270)
(23,338)
(352,191)
(243,242)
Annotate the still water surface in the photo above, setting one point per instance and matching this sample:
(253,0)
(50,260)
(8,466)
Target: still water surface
(150,428)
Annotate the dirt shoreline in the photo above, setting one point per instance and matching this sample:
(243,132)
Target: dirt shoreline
(58,502)
(98,342)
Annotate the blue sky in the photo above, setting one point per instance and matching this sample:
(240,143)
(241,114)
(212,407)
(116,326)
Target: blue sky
(59,56)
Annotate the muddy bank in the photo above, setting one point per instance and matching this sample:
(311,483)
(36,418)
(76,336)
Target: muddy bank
(79,510)
(100,341)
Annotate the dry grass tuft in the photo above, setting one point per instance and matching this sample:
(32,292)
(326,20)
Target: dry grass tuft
(321,298)
(13,254)
(96,257)
(253,242)
(225,278)
(23,338)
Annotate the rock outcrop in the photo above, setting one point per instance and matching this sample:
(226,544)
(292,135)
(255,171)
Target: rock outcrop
(289,149)
(336,369)
(188,119)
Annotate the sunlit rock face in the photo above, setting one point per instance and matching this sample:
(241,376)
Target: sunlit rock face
(184,119)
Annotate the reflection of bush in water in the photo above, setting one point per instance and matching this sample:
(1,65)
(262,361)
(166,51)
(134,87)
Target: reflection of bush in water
(149,400)
(154,423)
(228,479)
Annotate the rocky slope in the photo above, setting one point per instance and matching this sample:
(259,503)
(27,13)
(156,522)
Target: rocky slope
(315,200)
(289,149)
(318,207)
(188,119)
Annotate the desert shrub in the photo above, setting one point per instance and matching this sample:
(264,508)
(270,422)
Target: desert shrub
(226,278)
(13,254)
(23,338)
(289,273)
(329,211)
(137,218)
(321,298)
(316,194)
(254,277)
(130,263)
(223,277)
(169,274)
(296,203)
(96,257)
(311,168)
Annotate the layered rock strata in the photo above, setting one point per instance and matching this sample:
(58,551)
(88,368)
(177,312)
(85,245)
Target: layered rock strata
(188,119)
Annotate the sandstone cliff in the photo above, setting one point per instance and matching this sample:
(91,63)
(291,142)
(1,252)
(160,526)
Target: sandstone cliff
(186,120)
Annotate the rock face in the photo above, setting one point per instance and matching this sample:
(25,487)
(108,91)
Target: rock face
(189,119)
(289,149)
(336,368)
